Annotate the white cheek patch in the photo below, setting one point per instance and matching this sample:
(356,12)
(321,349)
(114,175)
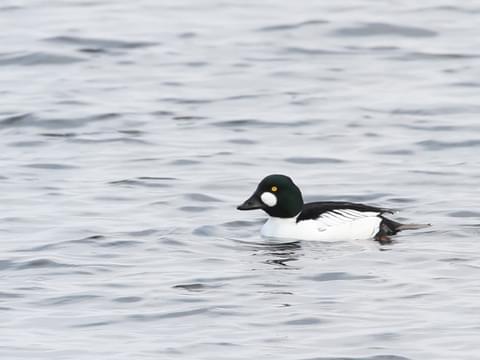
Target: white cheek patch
(269,199)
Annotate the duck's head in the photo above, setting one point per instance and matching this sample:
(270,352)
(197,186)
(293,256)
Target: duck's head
(277,195)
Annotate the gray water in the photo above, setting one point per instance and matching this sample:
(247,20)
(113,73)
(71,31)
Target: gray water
(130,130)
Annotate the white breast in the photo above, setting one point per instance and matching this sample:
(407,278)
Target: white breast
(331,226)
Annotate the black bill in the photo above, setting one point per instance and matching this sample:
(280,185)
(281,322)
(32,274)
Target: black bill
(252,203)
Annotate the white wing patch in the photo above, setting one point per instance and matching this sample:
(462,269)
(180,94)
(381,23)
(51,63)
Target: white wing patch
(340,217)
(332,225)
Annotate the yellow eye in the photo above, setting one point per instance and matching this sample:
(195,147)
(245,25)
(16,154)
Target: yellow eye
(274,188)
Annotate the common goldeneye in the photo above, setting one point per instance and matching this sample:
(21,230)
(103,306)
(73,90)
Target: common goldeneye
(290,218)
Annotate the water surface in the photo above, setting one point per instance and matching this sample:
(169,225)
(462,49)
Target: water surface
(131,130)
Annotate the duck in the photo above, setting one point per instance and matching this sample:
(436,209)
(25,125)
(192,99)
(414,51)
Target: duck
(290,218)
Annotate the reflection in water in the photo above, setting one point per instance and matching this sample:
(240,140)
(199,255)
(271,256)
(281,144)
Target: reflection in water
(275,253)
(281,254)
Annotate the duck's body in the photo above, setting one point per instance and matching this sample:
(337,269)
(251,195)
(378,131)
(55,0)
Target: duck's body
(331,225)
(321,221)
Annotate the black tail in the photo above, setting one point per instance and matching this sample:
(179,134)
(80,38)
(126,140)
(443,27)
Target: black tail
(389,227)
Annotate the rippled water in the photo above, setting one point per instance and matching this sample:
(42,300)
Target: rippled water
(130,130)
